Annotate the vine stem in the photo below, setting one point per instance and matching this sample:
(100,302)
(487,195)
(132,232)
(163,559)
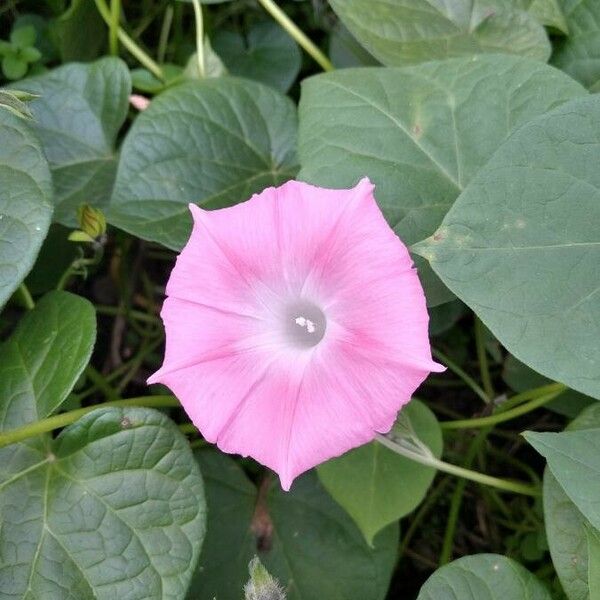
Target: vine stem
(310,47)
(113,32)
(25,296)
(57,421)
(199,37)
(464,376)
(484,367)
(501,416)
(129,43)
(506,485)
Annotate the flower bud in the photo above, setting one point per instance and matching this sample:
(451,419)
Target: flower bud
(261,586)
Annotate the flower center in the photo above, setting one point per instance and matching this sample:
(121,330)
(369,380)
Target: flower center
(305,324)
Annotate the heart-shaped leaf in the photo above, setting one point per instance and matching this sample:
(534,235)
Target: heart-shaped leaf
(579,53)
(375,485)
(214,142)
(267,54)
(574,459)
(567,529)
(521,246)
(413,31)
(483,577)
(41,361)
(78,114)
(113,508)
(420,133)
(25,201)
(302,537)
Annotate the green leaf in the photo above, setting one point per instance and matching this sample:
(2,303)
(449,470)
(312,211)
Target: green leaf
(167,163)
(574,459)
(302,537)
(79,33)
(41,361)
(80,142)
(521,245)
(15,105)
(414,31)
(345,51)
(445,316)
(521,378)
(593,539)
(375,485)
(23,36)
(267,53)
(25,201)
(213,65)
(566,527)
(14,67)
(113,508)
(420,133)
(30,55)
(579,53)
(550,13)
(483,577)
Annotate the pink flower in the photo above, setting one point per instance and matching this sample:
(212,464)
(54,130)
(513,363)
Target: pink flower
(139,102)
(296,326)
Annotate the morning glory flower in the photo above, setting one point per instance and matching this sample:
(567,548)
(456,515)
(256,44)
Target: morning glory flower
(296,326)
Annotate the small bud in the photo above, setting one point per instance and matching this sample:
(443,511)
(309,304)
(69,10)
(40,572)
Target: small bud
(262,586)
(91,221)
(139,102)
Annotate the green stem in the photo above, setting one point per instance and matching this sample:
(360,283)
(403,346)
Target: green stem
(458,371)
(522,397)
(456,501)
(199,37)
(131,46)
(188,428)
(506,485)
(271,7)
(25,295)
(116,311)
(484,368)
(57,421)
(113,31)
(164,34)
(101,383)
(501,416)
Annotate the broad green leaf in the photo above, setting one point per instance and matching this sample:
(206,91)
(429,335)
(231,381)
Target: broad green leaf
(521,246)
(445,316)
(78,115)
(41,361)
(25,201)
(521,378)
(579,53)
(483,577)
(574,459)
(566,527)
(345,51)
(214,142)
(375,485)
(112,508)
(550,13)
(267,53)
(414,31)
(593,539)
(420,133)
(302,537)
(79,33)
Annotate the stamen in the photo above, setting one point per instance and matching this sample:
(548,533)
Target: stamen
(304,324)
